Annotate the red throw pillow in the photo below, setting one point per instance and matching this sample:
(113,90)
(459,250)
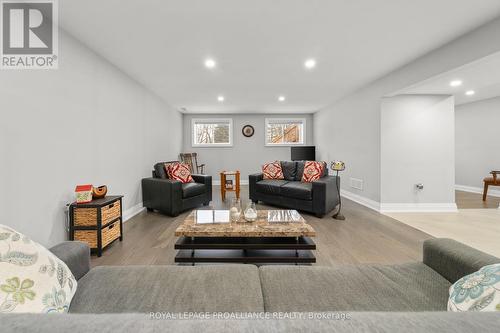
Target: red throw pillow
(166,165)
(273,170)
(180,172)
(312,171)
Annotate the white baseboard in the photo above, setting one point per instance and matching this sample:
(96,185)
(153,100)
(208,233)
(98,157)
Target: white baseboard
(369,203)
(399,207)
(418,207)
(217,182)
(472,189)
(372,204)
(132,211)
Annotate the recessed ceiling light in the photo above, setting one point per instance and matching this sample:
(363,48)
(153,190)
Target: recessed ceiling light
(210,63)
(470,92)
(281,98)
(220,98)
(310,63)
(456,83)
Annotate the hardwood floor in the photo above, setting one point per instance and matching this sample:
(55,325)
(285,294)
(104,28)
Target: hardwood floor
(476,223)
(364,237)
(467,200)
(478,228)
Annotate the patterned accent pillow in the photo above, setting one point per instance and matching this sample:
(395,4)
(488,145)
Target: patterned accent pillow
(272,170)
(312,171)
(32,279)
(169,176)
(479,291)
(180,172)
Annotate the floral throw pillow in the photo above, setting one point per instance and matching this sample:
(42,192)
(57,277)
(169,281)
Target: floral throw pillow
(479,291)
(180,172)
(312,171)
(32,279)
(272,171)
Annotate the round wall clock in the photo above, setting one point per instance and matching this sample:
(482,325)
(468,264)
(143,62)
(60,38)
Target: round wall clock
(248,130)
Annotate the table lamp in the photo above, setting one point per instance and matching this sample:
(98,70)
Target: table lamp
(338,166)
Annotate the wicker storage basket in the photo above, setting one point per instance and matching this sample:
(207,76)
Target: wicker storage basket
(88,216)
(108,234)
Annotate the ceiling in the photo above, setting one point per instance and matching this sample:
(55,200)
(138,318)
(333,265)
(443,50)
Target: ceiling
(260,45)
(481,76)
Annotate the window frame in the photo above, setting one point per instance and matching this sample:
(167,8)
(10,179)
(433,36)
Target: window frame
(284,121)
(195,121)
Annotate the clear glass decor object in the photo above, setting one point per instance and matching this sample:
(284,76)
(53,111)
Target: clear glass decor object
(250,212)
(235,210)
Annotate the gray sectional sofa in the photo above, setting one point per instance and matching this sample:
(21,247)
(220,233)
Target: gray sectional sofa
(385,298)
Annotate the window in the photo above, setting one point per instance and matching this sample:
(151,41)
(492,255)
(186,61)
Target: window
(285,132)
(213,132)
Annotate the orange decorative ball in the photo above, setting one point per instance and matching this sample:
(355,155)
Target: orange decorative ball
(99,192)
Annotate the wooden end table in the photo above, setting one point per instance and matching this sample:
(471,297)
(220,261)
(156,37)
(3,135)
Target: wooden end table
(235,187)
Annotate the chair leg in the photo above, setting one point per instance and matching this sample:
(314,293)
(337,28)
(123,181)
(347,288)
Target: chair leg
(485,191)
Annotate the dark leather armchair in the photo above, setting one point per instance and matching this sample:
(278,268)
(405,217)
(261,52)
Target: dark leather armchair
(172,197)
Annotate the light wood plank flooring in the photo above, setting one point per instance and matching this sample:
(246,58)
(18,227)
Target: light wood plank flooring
(467,200)
(479,228)
(364,237)
(476,223)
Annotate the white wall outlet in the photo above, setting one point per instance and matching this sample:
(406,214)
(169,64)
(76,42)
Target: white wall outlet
(357,183)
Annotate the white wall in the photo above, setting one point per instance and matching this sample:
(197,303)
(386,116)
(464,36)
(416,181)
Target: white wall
(417,146)
(86,122)
(349,129)
(246,154)
(477,142)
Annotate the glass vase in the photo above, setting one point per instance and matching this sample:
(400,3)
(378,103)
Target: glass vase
(235,210)
(250,213)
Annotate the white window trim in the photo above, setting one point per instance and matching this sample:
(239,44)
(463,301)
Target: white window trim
(284,120)
(211,120)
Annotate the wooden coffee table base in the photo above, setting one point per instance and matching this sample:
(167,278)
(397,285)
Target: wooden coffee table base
(248,250)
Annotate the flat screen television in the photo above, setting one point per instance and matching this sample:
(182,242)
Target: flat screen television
(303,153)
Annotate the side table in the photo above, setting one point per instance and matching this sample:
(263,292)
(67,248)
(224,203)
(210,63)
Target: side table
(97,223)
(234,188)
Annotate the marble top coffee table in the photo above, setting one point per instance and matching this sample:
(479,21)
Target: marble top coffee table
(277,236)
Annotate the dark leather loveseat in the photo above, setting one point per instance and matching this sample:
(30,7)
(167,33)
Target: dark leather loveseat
(171,197)
(319,197)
